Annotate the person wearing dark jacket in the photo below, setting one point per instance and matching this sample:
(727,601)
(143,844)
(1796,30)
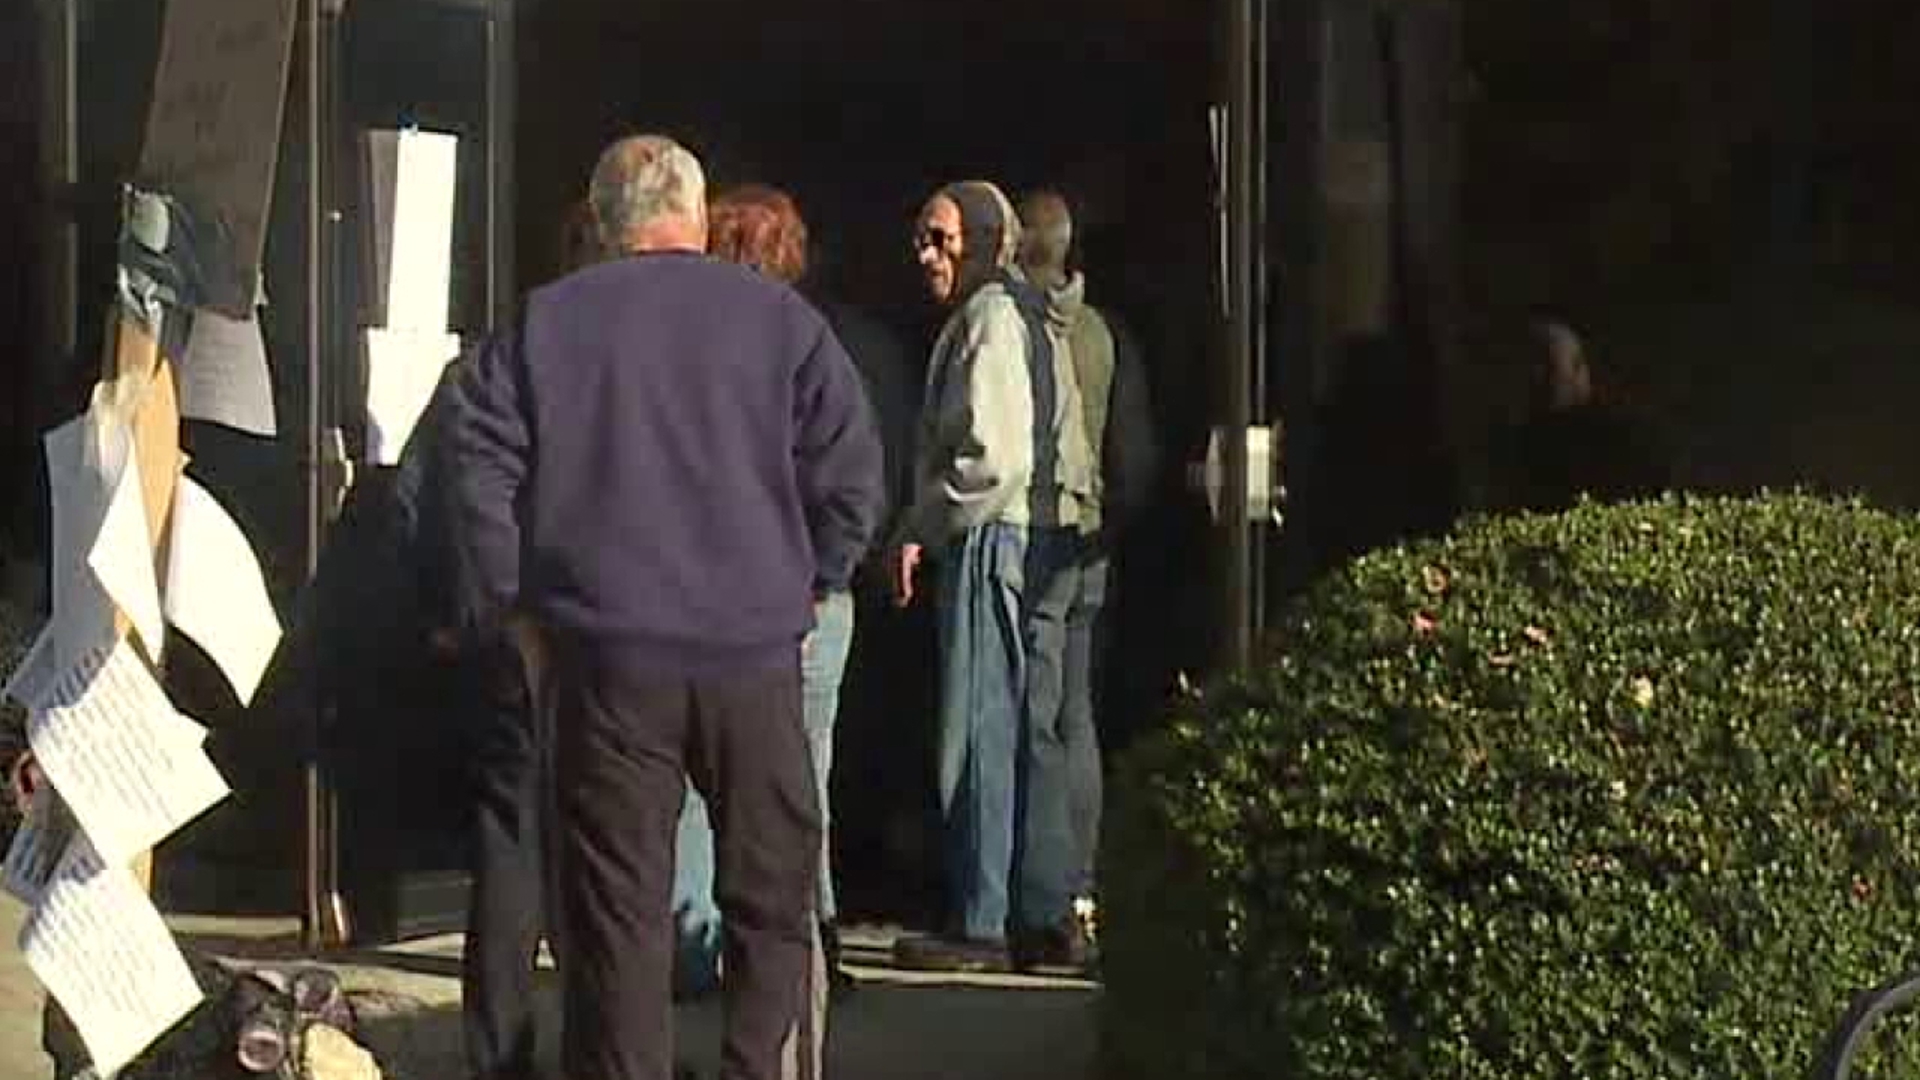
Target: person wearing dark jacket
(1119,425)
(1574,442)
(658,469)
(513,900)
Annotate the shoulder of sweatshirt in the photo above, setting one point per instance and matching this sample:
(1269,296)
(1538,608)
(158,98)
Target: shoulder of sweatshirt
(734,290)
(724,278)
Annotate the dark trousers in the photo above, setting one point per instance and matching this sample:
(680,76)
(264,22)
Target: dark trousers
(624,740)
(512,899)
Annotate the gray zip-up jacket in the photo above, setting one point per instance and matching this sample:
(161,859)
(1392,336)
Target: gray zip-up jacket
(1003,436)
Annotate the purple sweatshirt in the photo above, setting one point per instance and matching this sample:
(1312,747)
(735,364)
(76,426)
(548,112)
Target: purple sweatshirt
(667,458)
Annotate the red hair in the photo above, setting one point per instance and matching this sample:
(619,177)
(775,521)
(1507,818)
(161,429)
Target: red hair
(759,226)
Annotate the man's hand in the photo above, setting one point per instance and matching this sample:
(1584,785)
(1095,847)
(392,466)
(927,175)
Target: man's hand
(806,643)
(905,561)
(23,780)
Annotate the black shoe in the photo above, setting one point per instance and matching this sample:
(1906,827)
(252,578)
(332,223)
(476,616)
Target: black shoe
(1059,950)
(954,954)
(840,984)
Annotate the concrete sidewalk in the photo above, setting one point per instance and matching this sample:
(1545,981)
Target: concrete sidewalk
(896,1025)
(20,1000)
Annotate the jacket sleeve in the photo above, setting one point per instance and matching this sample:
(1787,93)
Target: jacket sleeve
(489,445)
(1131,447)
(423,461)
(419,501)
(838,461)
(978,455)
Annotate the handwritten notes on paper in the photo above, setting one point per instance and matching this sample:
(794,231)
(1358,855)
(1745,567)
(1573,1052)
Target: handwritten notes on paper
(98,945)
(123,771)
(216,594)
(127,763)
(224,377)
(212,135)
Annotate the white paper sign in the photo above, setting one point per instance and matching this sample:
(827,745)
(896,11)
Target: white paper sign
(216,594)
(82,612)
(121,556)
(121,756)
(413,174)
(224,378)
(103,952)
(403,367)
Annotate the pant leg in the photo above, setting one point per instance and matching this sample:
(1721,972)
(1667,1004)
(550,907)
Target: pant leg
(803,1056)
(619,777)
(1079,717)
(697,921)
(505,909)
(822,664)
(750,758)
(982,669)
(532,644)
(1048,849)
(696,916)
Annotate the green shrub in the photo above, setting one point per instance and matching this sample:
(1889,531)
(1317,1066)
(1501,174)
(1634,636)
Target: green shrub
(1628,793)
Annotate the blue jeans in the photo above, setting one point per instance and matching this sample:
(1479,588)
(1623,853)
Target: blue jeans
(1079,730)
(696,916)
(1056,736)
(1003,767)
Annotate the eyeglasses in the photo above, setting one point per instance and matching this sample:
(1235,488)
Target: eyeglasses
(933,237)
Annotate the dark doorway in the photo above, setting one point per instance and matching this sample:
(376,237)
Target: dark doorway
(861,110)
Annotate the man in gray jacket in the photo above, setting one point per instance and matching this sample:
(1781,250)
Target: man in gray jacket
(1002,482)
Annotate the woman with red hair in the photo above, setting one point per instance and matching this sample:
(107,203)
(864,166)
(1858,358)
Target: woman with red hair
(759,226)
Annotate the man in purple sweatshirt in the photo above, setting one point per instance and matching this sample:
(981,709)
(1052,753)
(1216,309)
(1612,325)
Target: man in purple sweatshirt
(658,468)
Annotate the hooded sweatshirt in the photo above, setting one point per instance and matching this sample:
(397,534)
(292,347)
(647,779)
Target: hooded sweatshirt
(1003,437)
(1115,412)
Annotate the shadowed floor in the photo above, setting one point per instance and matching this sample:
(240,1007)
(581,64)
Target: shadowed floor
(896,1024)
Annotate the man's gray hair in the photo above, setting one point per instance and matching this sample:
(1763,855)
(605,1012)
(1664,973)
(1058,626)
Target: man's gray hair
(642,179)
